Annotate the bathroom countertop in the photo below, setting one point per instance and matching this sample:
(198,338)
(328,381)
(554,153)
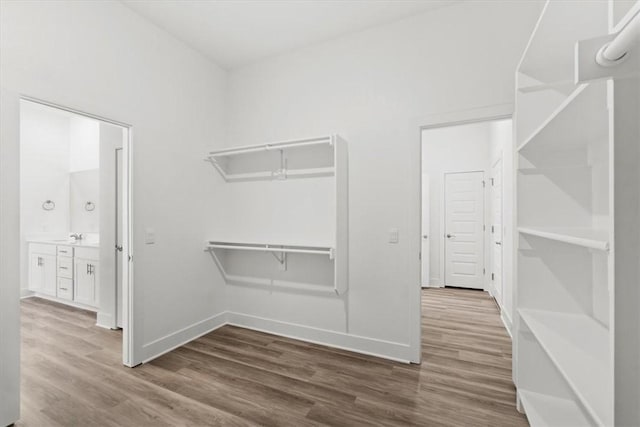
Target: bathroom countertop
(65,242)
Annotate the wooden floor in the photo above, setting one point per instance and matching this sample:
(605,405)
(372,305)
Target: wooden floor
(72,375)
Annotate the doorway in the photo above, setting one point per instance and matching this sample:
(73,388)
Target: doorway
(75,225)
(463,207)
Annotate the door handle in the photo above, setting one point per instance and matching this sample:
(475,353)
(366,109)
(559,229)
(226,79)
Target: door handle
(425,236)
(450,236)
(499,243)
(119,248)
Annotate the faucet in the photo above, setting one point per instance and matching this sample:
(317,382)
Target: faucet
(76,236)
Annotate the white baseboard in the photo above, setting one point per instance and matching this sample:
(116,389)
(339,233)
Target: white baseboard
(65,302)
(104,320)
(358,344)
(179,338)
(373,347)
(506,320)
(26,293)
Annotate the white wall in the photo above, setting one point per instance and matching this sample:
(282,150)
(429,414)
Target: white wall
(9,261)
(102,58)
(461,148)
(371,87)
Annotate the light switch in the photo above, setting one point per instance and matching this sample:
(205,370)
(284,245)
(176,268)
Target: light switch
(149,236)
(394,235)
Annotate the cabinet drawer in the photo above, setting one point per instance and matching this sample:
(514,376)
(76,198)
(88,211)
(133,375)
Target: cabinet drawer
(65,267)
(42,248)
(92,254)
(65,288)
(65,251)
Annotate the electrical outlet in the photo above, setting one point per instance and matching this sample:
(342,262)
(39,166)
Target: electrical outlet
(394,235)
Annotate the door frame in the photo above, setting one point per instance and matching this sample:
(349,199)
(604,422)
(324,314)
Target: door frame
(416,126)
(128,358)
(443,226)
(497,160)
(425,233)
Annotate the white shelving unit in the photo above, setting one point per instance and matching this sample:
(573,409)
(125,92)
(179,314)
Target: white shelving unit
(568,297)
(288,199)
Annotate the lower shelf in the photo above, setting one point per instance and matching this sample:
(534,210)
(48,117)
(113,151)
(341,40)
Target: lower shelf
(544,410)
(579,348)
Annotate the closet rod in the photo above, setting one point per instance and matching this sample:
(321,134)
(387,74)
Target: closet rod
(615,51)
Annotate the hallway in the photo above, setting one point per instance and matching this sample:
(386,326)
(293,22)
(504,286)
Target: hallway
(72,375)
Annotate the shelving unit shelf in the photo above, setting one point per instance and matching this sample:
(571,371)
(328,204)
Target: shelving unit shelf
(588,238)
(302,222)
(568,294)
(220,159)
(587,100)
(579,348)
(545,410)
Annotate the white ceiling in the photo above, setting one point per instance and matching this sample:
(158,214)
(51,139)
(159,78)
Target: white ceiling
(236,32)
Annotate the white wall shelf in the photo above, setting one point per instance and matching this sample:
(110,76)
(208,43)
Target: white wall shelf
(594,239)
(579,347)
(553,39)
(275,158)
(271,247)
(569,121)
(267,210)
(544,410)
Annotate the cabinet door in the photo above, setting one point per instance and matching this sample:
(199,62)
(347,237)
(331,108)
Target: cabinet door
(48,266)
(85,290)
(35,272)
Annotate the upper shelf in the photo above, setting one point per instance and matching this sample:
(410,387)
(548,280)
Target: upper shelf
(549,55)
(271,247)
(580,120)
(309,157)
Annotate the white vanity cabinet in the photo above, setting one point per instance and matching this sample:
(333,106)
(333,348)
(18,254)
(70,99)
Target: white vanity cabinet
(65,273)
(42,269)
(85,290)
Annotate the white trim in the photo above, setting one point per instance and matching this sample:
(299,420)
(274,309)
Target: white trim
(169,342)
(389,350)
(105,320)
(373,347)
(506,321)
(65,302)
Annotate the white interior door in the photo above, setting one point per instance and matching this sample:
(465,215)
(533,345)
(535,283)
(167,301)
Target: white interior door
(464,235)
(425,253)
(496,230)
